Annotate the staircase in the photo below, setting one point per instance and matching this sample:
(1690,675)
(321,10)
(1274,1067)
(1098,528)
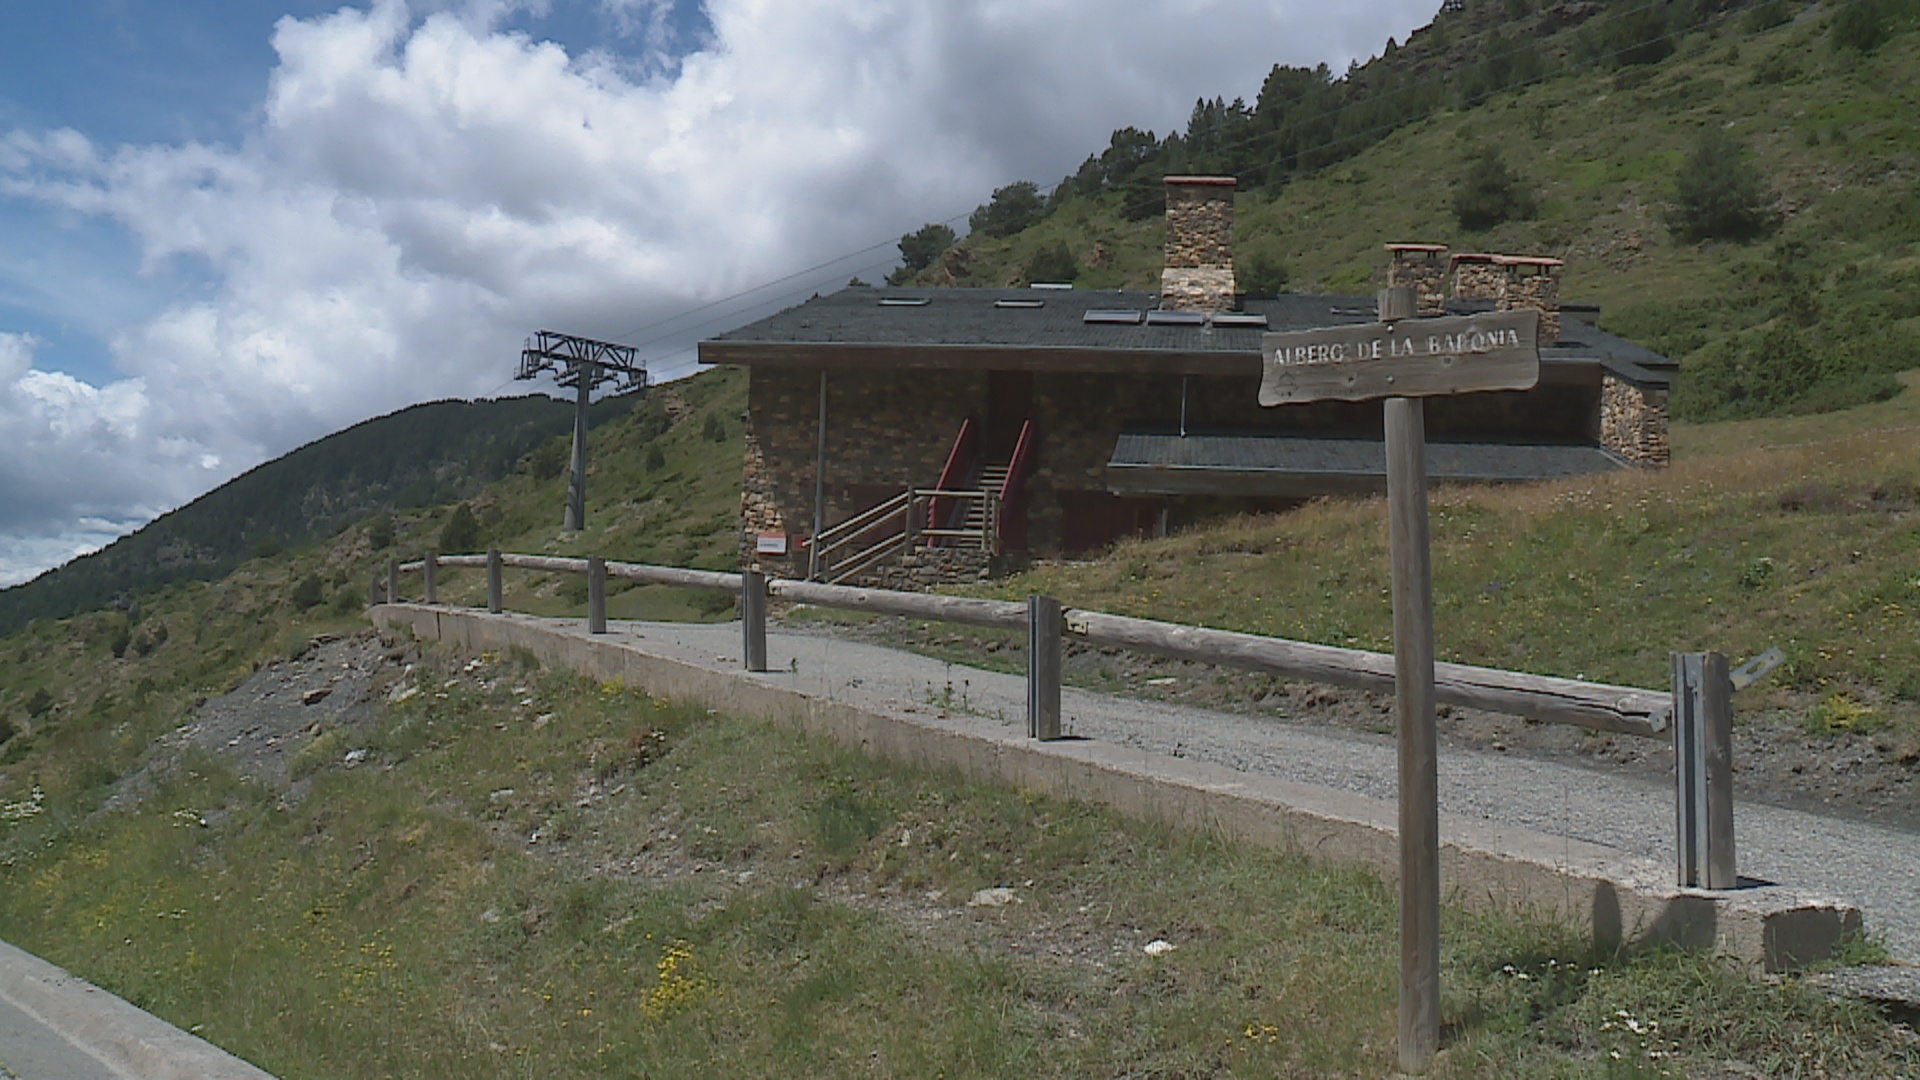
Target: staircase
(954,513)
(975,521)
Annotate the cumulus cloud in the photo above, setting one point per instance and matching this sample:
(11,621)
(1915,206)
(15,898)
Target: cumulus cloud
(423,188)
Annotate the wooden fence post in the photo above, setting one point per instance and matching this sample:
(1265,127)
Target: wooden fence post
(1043,667)
(1703,770)
(431,568)
(753,619)
(393,581)
(493,581)
(596,595)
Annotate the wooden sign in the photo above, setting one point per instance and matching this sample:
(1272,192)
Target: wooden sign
(1406,358)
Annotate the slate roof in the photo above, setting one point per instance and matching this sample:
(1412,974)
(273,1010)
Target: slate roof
(968,318)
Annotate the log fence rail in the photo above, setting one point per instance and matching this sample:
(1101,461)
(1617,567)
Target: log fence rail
(1695,713)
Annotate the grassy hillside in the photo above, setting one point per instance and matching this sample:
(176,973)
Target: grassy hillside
(1801,533)
(531,874)
(1816,314)
(82,696)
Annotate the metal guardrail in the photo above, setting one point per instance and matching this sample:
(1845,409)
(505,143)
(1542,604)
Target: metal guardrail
(1696,713)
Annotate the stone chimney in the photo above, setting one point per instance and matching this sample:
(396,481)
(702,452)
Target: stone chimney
(1199,269)
(1422,268)
(1529,281)
(1475,277)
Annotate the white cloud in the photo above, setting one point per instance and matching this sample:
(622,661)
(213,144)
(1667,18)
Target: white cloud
(423,189)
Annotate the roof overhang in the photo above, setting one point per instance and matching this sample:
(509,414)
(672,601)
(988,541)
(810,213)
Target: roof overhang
(977,358)
(1568,366)
(1297,467)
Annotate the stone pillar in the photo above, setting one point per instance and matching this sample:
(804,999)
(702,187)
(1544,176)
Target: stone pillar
(1422,268)
(1633,421)
(1199,268)
(1531,282)
(759,510)
(1475,277)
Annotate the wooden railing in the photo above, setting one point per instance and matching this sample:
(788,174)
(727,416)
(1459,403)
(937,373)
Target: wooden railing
(1696,713)
(891,528)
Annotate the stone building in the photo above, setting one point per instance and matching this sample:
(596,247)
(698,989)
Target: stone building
(905,436)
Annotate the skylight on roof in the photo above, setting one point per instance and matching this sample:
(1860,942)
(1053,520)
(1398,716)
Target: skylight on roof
(1239,318)
(1018,302)
(905,301)
(1176,318)
(1111,315)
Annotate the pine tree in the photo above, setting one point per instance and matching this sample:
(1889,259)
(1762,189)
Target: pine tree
(1489,193)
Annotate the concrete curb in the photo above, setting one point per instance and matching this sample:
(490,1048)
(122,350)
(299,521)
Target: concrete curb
(126,1040)
(1617,897)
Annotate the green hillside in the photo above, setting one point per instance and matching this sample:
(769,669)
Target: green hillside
(420,456)
(1815,312)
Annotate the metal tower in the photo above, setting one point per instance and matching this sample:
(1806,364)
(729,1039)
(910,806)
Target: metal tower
(581,363)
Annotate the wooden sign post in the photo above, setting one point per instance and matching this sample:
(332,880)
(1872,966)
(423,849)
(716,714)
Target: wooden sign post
(1404,359)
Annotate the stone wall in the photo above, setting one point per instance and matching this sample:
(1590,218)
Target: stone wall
(927,568)
(1198,275)
(1422,268)
(1633,421)
(885,431)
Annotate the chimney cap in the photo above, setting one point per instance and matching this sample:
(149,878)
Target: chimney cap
(1202,181)
(1417,247)
(1472,257)
(1527,260)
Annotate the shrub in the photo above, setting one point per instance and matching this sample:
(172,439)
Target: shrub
(1860,27)
(1262,275)
(380,531)
(119,639)
(308,593)
(461,533)
(39,703)
(1490,193)
(547,460)
(1051,262)
(714,429)
(656,458)
(1718,194)
(1766,15)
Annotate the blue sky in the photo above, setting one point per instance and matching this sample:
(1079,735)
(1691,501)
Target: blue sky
(229,227)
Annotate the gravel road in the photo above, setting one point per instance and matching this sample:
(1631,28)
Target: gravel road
(1875,868)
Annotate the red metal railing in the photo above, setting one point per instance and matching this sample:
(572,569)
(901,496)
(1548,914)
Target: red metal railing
(1013,492)
(960,463)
